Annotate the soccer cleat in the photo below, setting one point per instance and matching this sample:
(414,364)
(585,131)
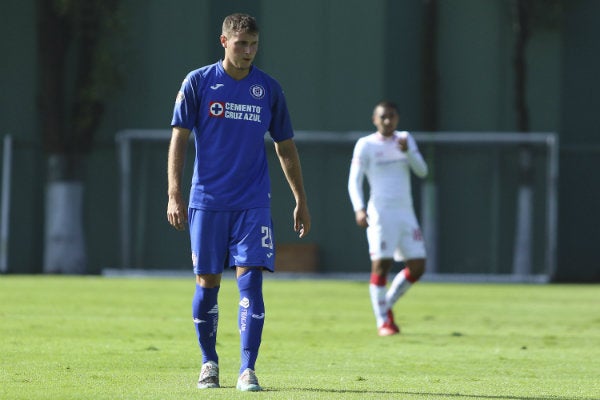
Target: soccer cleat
(247,382)
(209,376)
(389,327)
(390,316)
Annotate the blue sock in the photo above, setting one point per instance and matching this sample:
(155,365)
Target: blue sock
(251,317)
(205,312)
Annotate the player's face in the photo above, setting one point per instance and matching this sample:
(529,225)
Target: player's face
(240,50)
(385,120)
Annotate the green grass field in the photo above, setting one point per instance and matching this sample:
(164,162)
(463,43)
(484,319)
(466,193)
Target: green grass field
(125,338)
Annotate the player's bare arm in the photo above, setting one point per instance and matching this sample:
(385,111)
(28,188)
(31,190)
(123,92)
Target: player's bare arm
(176,208)
(290,164)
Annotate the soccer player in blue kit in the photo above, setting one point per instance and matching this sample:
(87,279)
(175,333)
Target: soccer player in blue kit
(229,106)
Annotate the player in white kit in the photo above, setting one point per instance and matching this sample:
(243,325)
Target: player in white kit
(386,158)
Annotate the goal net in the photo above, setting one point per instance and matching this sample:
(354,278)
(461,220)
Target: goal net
(480,220)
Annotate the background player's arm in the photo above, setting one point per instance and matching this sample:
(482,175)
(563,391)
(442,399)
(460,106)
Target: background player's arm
(176,208)
(408,145)
(417,163)
(355,190)
(290,164)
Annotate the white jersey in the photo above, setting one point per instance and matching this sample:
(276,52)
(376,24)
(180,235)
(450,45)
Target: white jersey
(387,169)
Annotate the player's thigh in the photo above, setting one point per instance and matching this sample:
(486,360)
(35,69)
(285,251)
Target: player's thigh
(382,235)
(209,240)
(252,243)
(410,243)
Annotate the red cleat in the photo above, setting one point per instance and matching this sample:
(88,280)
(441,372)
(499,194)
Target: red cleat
(389,327)
(388,330)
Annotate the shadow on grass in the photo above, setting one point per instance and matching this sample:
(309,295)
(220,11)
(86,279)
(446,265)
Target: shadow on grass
(421,394)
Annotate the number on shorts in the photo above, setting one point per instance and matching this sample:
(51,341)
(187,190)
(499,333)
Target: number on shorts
(267,240)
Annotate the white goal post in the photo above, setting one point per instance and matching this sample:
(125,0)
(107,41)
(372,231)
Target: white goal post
(429,207)
(7,153)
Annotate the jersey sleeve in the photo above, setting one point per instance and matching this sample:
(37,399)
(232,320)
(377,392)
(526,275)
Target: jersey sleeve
(280,128)
(185,112)
(415,159)
(356,177)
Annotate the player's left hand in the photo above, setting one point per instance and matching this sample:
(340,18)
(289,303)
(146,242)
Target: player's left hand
(403,143)
(301,220)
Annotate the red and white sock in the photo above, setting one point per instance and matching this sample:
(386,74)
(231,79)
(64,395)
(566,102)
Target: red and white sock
(377,288)
(401,283)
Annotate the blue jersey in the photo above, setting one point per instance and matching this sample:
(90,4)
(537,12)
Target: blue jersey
(229,119)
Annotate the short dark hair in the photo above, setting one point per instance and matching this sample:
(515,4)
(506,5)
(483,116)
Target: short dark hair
(387,104)
(238,22)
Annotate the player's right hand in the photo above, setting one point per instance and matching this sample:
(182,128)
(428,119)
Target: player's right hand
(177,212)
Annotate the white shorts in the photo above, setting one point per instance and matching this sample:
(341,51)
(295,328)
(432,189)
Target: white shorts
(394,234)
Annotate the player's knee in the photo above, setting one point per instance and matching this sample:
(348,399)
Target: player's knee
(416,268)
(417,273)
(381,267)
(250,280)
(250,287)
(208,280)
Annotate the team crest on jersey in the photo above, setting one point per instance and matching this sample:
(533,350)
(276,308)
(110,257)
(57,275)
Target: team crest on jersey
(257,91)
(216,109)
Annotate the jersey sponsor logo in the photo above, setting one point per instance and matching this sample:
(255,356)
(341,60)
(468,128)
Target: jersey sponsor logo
(216,109)
(257,91)
(245,112)
(258,316)
(386,162)
(216,86)
(180,97)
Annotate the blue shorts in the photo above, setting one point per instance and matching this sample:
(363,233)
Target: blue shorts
(222,239)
